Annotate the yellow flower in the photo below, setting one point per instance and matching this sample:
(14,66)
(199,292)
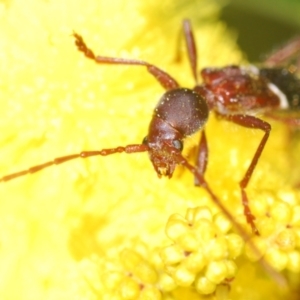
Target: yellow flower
(95,228)
(202,250)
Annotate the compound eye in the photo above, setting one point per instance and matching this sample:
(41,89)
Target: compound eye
(178,144)
(145,140)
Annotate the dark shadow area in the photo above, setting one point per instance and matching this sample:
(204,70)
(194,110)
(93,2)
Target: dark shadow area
(257,35)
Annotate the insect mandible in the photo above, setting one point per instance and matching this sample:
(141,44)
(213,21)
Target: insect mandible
(234,93)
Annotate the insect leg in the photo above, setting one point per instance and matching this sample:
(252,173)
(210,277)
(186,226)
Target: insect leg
(202,157)
(285,54)
(166,80)
(202,154)
(254,123)
(288,117)
(83,154)
(279,278)
(202,182)
(191,47)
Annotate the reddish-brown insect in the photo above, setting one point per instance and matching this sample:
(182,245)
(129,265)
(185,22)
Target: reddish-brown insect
(232,92)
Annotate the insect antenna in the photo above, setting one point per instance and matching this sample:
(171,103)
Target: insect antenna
(84,154)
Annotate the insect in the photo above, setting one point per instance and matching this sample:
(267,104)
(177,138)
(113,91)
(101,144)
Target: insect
(234,93)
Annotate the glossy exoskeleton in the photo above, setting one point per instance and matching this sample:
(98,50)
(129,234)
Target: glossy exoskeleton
(234,93)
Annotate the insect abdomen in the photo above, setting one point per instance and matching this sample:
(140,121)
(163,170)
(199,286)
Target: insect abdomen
(286,82)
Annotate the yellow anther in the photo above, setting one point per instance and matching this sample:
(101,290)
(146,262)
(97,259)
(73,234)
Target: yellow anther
(172,255)
(222,223)
(183,277)
(167,283)
(205,230)
(195,214)
(176,227)
(266,226)
(195,262)
(276,258)
(155,258)
(204,286)
(281,212)
(235,245)
(231,268)
(260,205)
(216,249)
(286,240)
(150,293)
(189,241)
(216,271)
